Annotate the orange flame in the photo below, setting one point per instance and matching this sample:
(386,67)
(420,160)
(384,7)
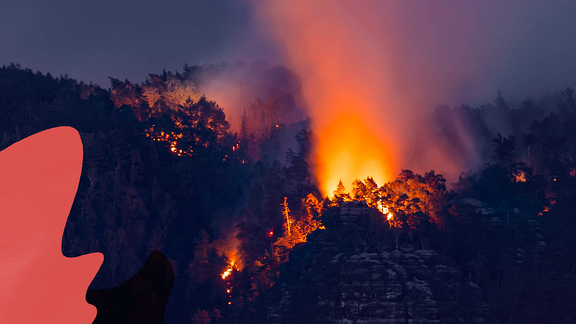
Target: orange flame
(228,247)
(389,216)
(348,150)
(355,112)
(384,210)
(520,176)
(228,270)
(370,62)
(226,273)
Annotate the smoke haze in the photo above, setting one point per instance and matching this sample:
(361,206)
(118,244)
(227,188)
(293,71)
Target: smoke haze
(373,71)
(91,41)
(239,88)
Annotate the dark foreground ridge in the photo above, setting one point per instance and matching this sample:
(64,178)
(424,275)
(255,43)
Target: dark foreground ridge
(140,300)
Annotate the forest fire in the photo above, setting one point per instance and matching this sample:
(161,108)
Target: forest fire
(234,173)
(367,191)
(402,203)
(348,145)
(356,117)
(173,111)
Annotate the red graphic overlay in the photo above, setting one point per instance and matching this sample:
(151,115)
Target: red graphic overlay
(39,177)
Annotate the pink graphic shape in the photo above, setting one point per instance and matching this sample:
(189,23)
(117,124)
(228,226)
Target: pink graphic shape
(39,176)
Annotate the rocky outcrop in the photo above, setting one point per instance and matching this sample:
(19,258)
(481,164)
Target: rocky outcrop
(329,281)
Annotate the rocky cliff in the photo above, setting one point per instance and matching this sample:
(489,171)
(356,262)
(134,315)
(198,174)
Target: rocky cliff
(351,273)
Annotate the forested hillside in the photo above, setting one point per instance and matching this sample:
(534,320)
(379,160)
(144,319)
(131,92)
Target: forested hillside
(235,206)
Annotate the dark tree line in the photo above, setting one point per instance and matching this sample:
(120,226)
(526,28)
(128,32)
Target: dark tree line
(135,194)
(138,194)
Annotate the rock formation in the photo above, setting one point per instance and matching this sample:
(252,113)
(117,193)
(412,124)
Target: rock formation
(343,275)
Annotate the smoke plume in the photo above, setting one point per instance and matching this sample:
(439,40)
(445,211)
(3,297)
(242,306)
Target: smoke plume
(373,70)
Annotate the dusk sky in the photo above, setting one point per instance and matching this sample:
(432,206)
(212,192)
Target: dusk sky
(91,40)
(531,44)
(402,58)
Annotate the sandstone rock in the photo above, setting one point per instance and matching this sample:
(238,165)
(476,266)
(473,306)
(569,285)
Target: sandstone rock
(372,286)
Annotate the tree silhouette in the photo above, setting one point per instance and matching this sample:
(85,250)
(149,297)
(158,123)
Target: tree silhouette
(505,149)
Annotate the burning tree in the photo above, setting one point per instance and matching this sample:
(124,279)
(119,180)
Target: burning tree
(297,232)
(340,194)
(409,204)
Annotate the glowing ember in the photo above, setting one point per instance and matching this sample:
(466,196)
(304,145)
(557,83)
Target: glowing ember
(271,233)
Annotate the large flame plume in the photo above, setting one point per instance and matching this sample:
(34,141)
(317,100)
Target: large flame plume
(348,150)
(372,72)
(351,141)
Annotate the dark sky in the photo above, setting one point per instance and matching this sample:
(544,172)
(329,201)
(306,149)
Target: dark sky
(90,40)
(531,44)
